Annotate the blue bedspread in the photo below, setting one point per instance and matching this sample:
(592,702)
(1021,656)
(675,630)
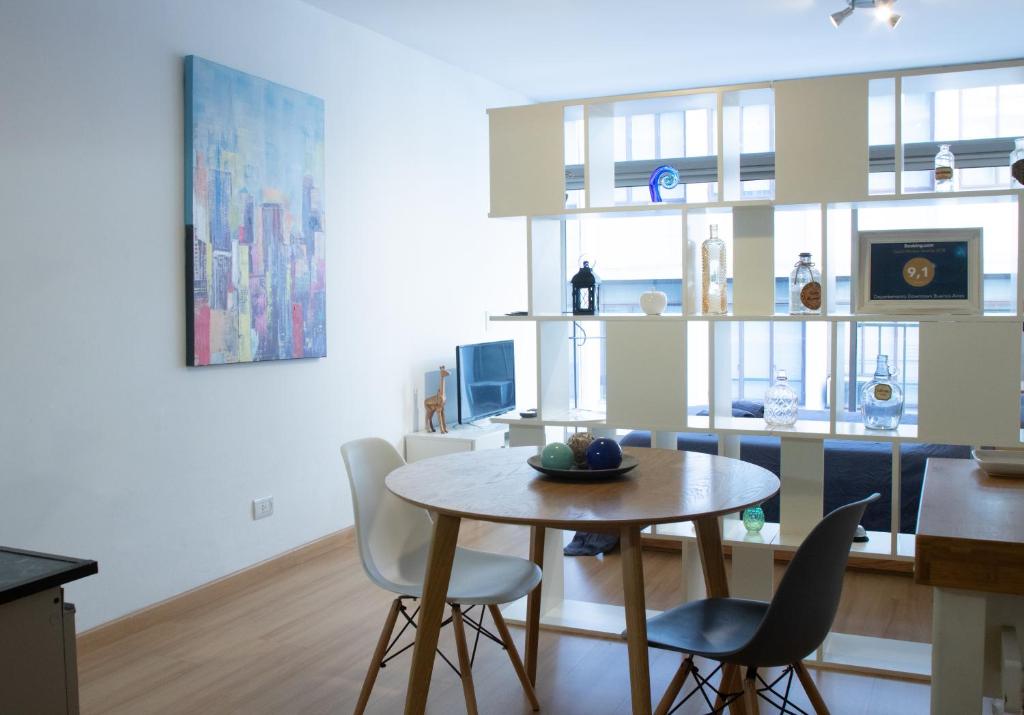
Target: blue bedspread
(853,469)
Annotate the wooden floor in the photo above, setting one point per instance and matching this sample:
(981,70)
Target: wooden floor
(300,643)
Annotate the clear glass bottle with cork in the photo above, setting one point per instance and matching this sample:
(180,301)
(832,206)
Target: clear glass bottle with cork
(804,287)
(944,169)
(881,400)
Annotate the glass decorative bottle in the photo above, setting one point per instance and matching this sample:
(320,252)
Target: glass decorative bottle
(780,402)
(881,400)
(1017,165)
(753,519)
(944,163)
(804,287)
(713,293)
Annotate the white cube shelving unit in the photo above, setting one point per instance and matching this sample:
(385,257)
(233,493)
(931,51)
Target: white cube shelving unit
(822,167)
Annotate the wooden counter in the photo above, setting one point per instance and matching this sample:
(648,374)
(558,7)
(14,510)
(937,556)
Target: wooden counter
(970,529)
(970,549)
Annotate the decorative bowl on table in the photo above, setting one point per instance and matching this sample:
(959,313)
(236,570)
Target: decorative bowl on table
(584,474)
(1000,462)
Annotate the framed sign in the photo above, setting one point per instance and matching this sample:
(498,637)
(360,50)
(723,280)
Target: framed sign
(919,271)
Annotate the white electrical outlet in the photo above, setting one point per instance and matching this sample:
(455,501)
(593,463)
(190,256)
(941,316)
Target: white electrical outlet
(262,508)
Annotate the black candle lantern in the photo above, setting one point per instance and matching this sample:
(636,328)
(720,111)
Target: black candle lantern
(584,291)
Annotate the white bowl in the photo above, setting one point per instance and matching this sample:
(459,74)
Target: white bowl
(653,302)
(1000,462)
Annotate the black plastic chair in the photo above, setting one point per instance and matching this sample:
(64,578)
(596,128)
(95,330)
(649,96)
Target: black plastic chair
(756,634)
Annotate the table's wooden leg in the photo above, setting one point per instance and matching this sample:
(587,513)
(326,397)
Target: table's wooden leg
(435,589)
(636,620)
(709,541)
(533,604)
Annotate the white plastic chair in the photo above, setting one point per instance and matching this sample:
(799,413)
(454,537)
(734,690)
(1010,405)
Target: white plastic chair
(394,538)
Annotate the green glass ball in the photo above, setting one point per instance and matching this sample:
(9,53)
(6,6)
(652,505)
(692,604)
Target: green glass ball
(753,519)
(557,455)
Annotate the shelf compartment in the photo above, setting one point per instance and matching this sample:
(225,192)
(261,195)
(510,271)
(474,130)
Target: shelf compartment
(935,110)
(747,356)
(733,533)
(747,127)
(650,131)
(797,229)
(802,470)
(753,244)
(556,418)
(965,371)
(771,318)
(821,139)
(646,377)
(812,429)
(527,160)
(857,430)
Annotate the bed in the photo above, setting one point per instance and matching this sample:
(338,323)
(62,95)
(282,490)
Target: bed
(853,469)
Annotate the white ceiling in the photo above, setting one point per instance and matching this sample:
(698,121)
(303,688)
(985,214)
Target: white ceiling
(558,49)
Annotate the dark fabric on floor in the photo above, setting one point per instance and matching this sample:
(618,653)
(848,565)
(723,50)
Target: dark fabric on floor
(588,544)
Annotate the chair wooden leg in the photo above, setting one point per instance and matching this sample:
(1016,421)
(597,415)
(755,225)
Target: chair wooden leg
(817,702)
(465,669)
(750,692)
(732,682)
(678,680)
(513,655)
(378,656)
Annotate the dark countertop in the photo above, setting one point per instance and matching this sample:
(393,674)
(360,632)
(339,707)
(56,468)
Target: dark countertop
(23,573)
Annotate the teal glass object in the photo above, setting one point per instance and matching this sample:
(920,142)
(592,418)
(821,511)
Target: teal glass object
(753,519)
(557,455)
(664,177)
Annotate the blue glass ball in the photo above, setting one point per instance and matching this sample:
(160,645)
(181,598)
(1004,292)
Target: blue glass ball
(557,455)
(604,453)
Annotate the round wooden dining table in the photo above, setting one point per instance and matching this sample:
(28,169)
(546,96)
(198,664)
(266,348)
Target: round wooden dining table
(498,485)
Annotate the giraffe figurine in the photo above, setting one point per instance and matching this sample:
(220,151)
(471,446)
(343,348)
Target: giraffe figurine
(435,406)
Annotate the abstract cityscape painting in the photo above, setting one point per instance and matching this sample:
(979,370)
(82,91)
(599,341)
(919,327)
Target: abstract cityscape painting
(254,218)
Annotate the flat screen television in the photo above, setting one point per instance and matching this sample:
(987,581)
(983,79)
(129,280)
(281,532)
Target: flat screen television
(486,378)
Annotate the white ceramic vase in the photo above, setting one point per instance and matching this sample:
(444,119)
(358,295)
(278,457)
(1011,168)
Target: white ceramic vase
(653,302)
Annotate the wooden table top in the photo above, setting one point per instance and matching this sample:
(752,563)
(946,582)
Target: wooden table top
(667,486)
(970,529)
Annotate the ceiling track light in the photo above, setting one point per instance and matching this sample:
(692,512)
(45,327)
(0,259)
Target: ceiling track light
(883,10)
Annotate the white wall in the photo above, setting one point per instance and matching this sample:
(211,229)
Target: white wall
(109,447)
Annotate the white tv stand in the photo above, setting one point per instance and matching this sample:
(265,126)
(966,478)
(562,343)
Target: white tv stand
(460,438)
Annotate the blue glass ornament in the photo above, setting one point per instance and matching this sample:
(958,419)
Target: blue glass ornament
(664,177)
(604,453)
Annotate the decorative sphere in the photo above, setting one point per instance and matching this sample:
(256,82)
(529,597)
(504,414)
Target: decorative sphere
(604,453)
(579,443)
(556,456)
(753,519)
